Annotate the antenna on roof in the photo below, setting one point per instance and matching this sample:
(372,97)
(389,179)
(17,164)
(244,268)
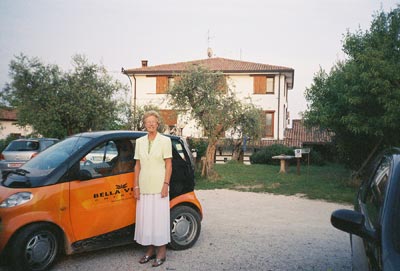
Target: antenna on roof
(209,50)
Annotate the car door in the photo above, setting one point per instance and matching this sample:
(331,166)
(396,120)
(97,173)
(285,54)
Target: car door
(372,201)
(182,178)
(102,200)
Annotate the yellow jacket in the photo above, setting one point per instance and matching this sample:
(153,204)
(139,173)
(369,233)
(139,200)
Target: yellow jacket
(152,165)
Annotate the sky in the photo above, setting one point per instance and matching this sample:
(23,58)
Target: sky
(305,35)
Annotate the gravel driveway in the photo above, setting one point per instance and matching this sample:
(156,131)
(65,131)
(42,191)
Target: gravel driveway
(242,231)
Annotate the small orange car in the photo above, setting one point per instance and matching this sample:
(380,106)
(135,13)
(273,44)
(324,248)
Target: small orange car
(78,196)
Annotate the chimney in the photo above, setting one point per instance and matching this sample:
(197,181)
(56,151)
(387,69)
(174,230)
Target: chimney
(144,63)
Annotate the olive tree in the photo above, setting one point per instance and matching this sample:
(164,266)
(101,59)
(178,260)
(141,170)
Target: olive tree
(57,103)
(205,96)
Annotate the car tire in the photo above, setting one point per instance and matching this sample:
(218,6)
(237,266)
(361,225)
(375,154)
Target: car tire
(185,227)
(35,247)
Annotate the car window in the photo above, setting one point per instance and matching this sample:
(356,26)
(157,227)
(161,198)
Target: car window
(24,145)
(54,156)
(105,152)
(376,192)
(179,147)
(109,158)
(47,143)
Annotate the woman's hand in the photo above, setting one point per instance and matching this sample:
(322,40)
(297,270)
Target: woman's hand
(136,193)
(164,190)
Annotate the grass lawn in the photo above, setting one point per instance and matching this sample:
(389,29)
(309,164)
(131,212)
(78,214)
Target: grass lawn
(329,182)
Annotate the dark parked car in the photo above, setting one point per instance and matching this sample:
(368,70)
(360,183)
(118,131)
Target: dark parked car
(19,151)
(374,225)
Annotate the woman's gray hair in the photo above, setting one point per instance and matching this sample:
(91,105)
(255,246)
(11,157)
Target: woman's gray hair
(151,113)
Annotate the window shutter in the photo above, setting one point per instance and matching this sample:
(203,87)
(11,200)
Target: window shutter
(161,84)
(260,84)
(170,117)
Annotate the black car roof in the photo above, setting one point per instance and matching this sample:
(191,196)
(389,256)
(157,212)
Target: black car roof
(35,139)
(121,133)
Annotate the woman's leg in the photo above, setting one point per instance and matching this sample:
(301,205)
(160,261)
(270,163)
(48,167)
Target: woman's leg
(148,256)
(161,256)
(150,250)
(161,252)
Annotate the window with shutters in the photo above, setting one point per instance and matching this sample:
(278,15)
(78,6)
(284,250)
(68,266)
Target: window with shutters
(264,84)
(161,84)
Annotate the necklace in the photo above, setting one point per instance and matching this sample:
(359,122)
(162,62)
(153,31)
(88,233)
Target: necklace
(150,145)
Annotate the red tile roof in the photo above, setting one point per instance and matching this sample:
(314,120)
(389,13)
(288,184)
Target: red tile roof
(8,114)
(299,135)
(214,64)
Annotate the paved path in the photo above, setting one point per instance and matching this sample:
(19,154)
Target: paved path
(242,231)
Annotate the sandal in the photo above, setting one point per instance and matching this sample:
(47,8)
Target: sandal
(158,262)
(146,259)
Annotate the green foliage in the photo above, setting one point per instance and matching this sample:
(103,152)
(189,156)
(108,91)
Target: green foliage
(57,103)
(264,156)
(316,158)
(359,99)
(199,144)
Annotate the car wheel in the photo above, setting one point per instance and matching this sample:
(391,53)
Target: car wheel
(185,227)
(35,247)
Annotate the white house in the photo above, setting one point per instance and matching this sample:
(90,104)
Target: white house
(8,124)
(266,85)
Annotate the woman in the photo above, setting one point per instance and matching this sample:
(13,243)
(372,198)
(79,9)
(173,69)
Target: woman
(153,155)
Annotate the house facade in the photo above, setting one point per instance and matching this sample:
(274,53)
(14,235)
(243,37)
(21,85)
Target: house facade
(266,86)
(8,124)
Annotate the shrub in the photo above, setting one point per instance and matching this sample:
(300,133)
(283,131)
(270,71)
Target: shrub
(199,144)
(264,156)
(316,158)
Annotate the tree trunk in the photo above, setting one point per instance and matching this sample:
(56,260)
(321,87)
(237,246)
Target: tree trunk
(366,161)
(237,154)
(208,166)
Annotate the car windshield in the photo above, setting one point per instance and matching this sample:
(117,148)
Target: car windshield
(54,156)
(23,145)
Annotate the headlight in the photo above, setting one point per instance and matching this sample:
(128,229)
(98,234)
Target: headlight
(16,199)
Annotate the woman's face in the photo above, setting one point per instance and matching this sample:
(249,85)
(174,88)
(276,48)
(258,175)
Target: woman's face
(151,124)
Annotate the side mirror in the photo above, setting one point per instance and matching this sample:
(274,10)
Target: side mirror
(352,222)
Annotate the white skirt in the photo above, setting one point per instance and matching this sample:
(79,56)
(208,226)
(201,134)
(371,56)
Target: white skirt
(152,220)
